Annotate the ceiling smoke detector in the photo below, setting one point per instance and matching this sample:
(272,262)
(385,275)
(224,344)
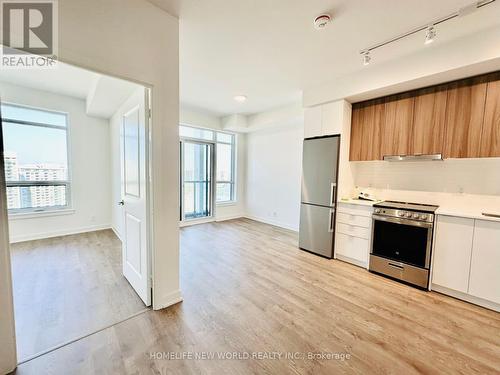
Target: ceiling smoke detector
(322,21)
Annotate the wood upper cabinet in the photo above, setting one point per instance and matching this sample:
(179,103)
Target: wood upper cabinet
(372,130)
(458,120)
(366,130)
(490,136)
(429,121)
(464,118)
(397,125)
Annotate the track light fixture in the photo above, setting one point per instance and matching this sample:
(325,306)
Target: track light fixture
(430,35)
(429,27)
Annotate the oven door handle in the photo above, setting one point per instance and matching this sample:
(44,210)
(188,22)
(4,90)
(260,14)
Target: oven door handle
(398,220)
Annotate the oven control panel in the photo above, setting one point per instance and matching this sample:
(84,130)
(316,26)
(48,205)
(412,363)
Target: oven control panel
(404,214)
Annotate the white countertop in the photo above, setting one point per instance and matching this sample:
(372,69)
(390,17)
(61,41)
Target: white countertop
(450,204)
(357,201)
(469,211)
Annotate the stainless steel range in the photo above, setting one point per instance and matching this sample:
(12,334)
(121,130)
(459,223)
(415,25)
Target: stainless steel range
(402,241)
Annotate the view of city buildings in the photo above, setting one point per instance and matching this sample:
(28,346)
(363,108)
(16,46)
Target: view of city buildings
(34,196)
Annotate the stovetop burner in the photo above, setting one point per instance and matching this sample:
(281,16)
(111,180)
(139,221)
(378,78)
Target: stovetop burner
(407,206)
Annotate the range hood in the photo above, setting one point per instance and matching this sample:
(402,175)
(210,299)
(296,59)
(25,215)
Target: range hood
(427,157)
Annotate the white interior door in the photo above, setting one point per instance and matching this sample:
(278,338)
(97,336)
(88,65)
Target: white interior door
(136,265)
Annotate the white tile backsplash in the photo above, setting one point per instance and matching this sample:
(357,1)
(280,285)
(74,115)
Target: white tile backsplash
(469,176)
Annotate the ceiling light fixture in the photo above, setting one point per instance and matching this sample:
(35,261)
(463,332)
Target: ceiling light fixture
(366,57)
(240,98)
(431,30)
(430,34)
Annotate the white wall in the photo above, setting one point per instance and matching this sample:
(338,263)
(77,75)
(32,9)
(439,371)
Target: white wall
(470,176)
(198,118)
(452,176)
(274,165)
(89,171)
(133,40)
(138,41)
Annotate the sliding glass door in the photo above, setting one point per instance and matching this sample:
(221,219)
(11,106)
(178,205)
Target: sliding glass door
(197,180)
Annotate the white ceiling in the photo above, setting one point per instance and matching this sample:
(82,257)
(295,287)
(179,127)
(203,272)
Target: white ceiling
(103,94)
(269,50)
(64,80)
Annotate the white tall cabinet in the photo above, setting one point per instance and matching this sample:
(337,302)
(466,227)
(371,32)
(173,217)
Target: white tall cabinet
(326,119)
(466,260)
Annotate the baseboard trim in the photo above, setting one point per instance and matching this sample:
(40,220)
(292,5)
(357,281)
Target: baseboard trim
(229,217)
(466,297)
(271,222)
(188,223)
(66,232)
(116,233)
(168,300)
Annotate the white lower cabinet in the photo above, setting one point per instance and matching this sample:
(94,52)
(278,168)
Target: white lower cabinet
(466,260)
(353,233)
(485,262)
(452,252)
(354,248)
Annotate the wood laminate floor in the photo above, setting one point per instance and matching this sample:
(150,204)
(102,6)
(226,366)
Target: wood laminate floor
(67,287)
(248,290)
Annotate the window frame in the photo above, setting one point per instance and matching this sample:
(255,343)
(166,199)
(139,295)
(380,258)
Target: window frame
(233,144)
(34,211)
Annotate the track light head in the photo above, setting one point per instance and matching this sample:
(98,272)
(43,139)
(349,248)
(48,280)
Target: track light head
(366,58)
(430,35)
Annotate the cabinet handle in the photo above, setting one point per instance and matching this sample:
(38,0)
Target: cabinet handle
(491,215)
(396,266)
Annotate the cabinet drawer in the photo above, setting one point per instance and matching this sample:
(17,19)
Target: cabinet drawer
(352,230)
(353,209)
(352,247)
(360,221)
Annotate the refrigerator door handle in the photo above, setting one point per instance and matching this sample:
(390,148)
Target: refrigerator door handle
(330,221)
(333,186)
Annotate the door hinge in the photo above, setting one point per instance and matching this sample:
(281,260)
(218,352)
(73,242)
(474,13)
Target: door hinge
(149,112)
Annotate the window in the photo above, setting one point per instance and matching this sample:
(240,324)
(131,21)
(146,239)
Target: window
(36,159)
(225,154)
(225,167)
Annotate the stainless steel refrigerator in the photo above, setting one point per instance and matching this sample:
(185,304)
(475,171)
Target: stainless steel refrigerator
(320,162)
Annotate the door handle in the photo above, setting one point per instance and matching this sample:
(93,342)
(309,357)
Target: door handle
(333,186)
(330,221)
(121,203)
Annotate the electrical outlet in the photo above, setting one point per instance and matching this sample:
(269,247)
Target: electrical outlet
(275,214)
(92,219)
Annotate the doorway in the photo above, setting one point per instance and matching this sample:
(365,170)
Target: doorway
(197,180)
(77,172)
